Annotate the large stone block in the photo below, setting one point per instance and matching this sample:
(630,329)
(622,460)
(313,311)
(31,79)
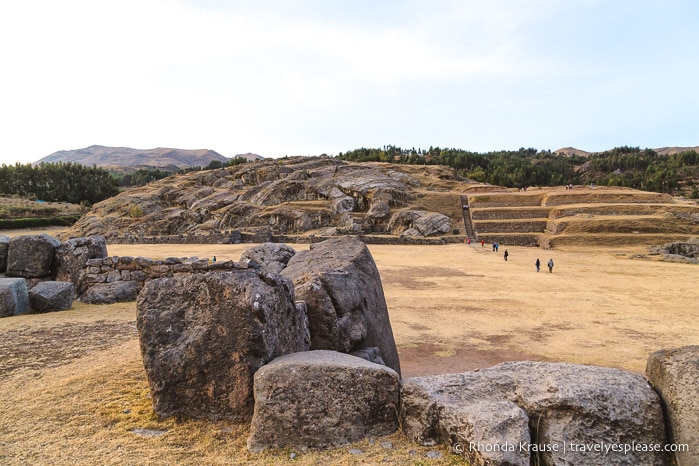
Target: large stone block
(31,256)
(71,258)
(51,296)
(14,297)
(203,336)
(322,399)
(524,413)
(4,247)
(110,293)
(346,307)
(674,373)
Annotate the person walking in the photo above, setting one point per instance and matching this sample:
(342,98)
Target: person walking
(538,264)
(506,254)
(482,243)
(550,264)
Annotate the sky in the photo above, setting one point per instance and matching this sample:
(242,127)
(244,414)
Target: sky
(306,77)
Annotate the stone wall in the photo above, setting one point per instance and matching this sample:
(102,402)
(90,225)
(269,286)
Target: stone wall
(139,269)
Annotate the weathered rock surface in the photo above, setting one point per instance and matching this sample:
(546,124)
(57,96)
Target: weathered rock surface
(341,286)
(72,256)
(272,257)
(110,293)
(289,196)
(14,298)
(545,405)
(418,222)
(432,223)
(674,373)
(322,399)
(4,246)
(203,336)
(51,296)
(31,256)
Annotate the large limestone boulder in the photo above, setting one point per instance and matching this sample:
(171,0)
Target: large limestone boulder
(523,413)
(51,296)
(72,256)
(322,399)
(432,223)
(341,286)
(203,336)
(414,222)
(272,257)
(110,293)
(4,246)
(14,297)
(31,256)
(674,373)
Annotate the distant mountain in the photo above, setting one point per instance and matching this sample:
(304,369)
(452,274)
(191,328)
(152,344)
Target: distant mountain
(568,151)
(674,150)
(249,156)
(113,157)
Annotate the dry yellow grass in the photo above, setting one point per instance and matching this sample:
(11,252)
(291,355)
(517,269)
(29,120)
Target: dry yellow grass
(452,308)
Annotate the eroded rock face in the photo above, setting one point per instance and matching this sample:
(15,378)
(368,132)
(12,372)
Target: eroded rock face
(549,405)
(71,257)
(674,373)
(203,336)
(418,222)
(31,256)
(295,407)
(272,257)
(341,286)
(289,196)
(51,296)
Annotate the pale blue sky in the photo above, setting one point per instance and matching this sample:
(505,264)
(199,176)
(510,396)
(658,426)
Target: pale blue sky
(304,77)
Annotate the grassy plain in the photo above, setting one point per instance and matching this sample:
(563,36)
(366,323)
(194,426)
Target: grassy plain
(74,388)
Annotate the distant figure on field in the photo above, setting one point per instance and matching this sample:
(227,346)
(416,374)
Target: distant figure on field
(550,264)
(538,264)
(482,243)
(493,247)
(468,241)
(497,247)
(506,254)
(214,259)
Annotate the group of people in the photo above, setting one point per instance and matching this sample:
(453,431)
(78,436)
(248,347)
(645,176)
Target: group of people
(506,254)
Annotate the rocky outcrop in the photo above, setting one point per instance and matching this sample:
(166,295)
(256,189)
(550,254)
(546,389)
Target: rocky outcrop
(552,408)
(51,296)
(295,409)
(272,257)
(203,336)
(679,251)
(31,256)
(71,257)
(346,307)
(289,196)
(417,222)
(674,373)
(14,297)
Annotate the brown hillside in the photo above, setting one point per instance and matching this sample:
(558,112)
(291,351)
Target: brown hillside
(324,196)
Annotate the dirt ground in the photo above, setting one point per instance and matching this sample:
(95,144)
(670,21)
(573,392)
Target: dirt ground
(458,307)
(74,389)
